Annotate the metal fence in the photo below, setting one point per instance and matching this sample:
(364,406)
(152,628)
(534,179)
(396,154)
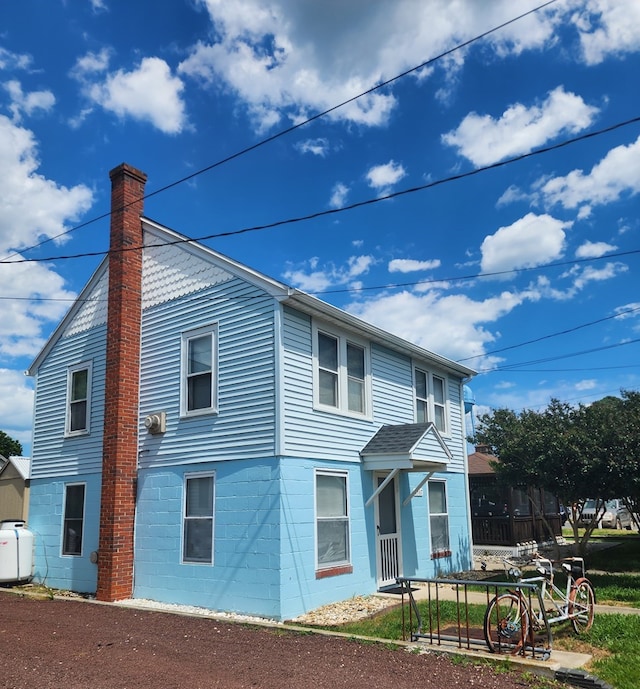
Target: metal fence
(435,625)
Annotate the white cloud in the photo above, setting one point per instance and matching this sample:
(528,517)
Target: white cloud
(616,174)
(408,265)
(310,278)
(484,140)
(27,103)
(383,177)
(10,60)
(608,27)
(594,249)
(16,405)
(338,195)
(631,310)
(451,325)
(301,57)
(149,93)
(530,241)
(586,384)
(90,64)
(31,206)
(579,277)
(318,147)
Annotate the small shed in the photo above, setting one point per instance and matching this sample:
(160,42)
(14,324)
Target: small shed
(14,488)
(503,515)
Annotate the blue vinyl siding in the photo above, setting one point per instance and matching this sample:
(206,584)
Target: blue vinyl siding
(342,437)
(53,453)
(244,426)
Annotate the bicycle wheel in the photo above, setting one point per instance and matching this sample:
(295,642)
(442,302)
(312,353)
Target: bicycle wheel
(581,601)
(506,623)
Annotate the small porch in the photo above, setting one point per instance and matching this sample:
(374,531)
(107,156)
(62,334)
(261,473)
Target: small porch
(394,449)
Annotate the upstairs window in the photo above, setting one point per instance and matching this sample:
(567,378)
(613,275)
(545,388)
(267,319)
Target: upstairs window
(431,399)
(78,399)
(439,404)
(199,378)
(342,379)
(422,397)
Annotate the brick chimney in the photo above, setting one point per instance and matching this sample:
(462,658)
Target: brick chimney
(120,436)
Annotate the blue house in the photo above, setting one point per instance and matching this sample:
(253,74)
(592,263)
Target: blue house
(206,435)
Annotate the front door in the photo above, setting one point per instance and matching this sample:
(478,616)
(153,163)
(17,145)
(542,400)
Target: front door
(388,551)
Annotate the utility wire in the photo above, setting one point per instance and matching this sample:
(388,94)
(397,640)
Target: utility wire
(386,286)
(294,127)
(353,206)
(556,334)
(512,367)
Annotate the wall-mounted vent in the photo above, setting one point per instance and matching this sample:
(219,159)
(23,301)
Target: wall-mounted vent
(156,423)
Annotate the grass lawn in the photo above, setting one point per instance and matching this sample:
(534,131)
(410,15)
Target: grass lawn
(614,639)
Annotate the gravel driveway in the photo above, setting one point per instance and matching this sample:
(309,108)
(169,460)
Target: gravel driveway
(72,644)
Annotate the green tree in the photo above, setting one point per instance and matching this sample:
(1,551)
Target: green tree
(9,447)
(555,449)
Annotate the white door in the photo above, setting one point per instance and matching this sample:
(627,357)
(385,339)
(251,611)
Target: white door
(388,551)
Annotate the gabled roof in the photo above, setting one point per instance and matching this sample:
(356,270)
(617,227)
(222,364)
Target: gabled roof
(410,446)
(480,463)
(21,464)
(278,290)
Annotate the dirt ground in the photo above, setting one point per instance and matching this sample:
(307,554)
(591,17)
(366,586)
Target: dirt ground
(73,644)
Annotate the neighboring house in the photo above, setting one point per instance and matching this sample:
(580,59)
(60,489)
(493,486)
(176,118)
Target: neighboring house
(14,488)
(504,515)
(206,435)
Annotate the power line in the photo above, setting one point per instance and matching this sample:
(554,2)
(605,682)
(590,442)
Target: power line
(511,367)
(353,206)
(386,286)
(294,127)
(550,335)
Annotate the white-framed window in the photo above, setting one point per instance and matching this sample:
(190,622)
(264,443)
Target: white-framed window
(199,393)
(439,403)
(342,378)
(197,536)
(333,549)
(73,518)
(431,399)
(78,399)
(438,519)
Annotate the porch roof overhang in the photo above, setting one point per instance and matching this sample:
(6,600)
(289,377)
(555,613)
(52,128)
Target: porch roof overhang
(406,447)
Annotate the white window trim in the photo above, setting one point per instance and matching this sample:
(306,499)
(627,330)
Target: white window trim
(64,513)
(433,552)
(343,378)
(88,366)
(431,404)
(190,475)
(348,561)
(188,335)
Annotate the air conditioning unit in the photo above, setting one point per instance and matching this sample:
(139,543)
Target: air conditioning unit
(156,423)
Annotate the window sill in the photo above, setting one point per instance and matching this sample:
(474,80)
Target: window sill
(440,553)
(334,571)
(77,434)
(338,411)
(196,413)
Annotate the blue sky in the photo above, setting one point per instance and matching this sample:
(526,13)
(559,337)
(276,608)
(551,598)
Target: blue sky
(526,271)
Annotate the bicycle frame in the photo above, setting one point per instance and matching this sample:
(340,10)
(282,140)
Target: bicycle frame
(514,619)
(561,606)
